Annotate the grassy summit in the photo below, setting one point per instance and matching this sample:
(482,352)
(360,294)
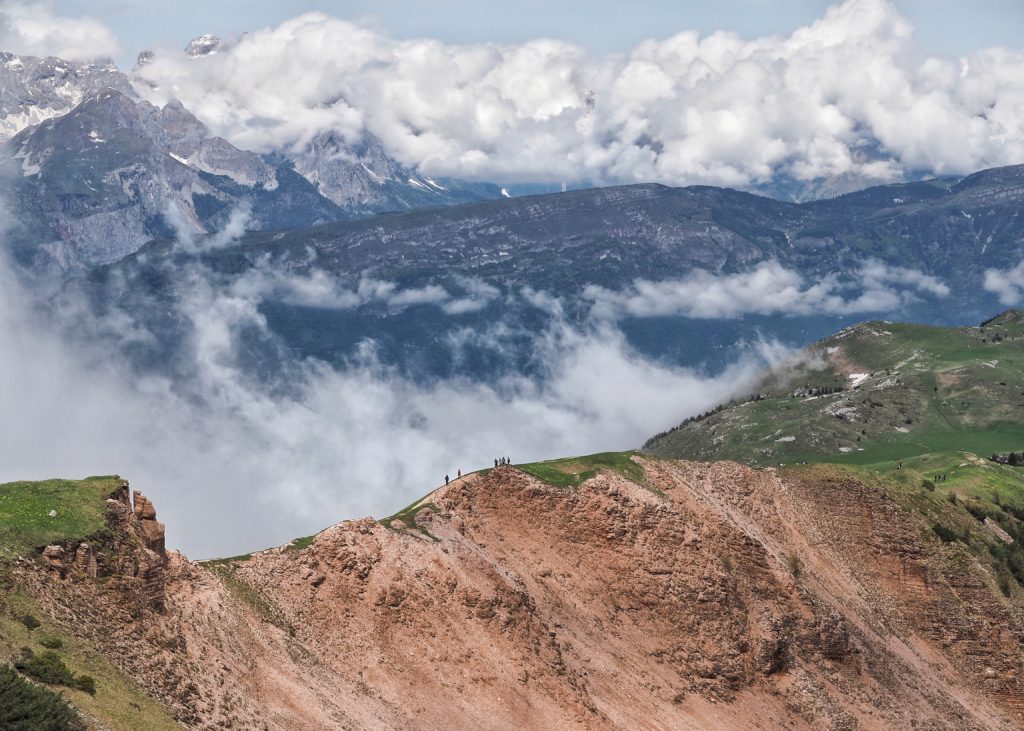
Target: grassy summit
(26,525)
(574,471)
(874,392)
(25,507)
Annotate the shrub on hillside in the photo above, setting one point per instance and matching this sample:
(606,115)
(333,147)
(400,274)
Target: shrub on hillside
(979,511)
(947,535)
(49,668)
(28,707)
(30,622)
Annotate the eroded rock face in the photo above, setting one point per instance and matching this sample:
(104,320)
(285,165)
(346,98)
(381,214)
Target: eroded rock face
(131,556)
(85,560)
(55,560)
(147,527)
(510,603)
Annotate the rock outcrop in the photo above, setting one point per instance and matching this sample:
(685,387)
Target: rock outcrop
(130,555)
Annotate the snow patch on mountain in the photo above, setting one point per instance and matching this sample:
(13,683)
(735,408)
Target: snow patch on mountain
(34,90)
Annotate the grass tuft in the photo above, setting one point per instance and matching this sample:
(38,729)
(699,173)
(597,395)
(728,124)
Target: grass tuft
(574,471)
(408,517)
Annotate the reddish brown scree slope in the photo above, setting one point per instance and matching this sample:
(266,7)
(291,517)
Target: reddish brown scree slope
(725,598)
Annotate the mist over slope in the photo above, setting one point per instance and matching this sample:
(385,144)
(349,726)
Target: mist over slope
(267,455)
(687,274)
(275,376)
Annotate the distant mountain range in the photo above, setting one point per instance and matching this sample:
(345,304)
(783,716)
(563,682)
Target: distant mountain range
(519,265)
(96,175)
(96,172)
(96,183)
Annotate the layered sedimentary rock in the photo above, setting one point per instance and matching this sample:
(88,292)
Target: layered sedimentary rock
(129,556)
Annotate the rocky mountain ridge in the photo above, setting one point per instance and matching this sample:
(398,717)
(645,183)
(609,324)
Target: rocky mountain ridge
(130,557)
(104,207)
(582,248)
(96,183)
(34,89)
(673,595)
(361,178)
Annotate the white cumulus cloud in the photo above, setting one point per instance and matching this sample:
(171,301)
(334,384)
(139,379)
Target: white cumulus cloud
(1008,284)
(848,95)
(767,289)
(34,29)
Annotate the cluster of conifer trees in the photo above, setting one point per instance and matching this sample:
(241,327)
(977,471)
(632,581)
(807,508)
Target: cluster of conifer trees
(1014,459)
(25,706)
(817,391)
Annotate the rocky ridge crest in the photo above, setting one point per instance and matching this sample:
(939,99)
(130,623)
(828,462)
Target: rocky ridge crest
(702,595)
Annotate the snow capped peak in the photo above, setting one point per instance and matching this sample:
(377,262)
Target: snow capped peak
(35,89)
(204,45)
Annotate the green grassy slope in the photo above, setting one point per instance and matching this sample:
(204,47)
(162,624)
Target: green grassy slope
(25,522)
(873,392)
(25,527)
(118,704)
(574,471)
(977,509)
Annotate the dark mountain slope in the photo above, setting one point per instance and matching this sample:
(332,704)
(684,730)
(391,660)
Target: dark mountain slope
(565,244)
(94,184)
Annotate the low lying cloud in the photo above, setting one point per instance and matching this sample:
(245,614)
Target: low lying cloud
(31,28)
(1007,284)
(768,289)
(317,288)
(875,275)
(717,109)
(234,462)
(190,242)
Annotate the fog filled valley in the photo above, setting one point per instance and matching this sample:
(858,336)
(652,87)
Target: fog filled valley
(260,385)
(248,457)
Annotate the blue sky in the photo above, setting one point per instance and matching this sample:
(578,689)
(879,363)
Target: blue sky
(952,27)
